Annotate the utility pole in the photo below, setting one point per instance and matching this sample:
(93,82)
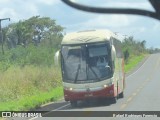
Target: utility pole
(1,38)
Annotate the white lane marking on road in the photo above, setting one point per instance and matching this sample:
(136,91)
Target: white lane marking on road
(52,111)
(129,99)
(134,94)
(61,107)
(123,106)
(33,118)
(138,68)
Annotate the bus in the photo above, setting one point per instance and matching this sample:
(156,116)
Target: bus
(92,66)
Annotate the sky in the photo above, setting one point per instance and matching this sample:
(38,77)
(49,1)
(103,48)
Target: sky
(140,27)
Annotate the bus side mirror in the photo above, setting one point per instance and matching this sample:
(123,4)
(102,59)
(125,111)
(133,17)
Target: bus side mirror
(113,53)
(57,58)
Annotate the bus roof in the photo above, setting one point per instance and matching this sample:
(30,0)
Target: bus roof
(88,36)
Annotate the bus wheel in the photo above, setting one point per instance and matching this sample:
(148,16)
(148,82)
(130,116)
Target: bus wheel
(73,103)
(121,95)
(114,100)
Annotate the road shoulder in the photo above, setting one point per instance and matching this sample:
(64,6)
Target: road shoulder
(137,66)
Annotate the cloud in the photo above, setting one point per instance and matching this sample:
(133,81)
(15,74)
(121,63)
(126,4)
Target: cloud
(4,1)
(104,22)
(156,26)
(75,20)
(9,13)
(114,21)
(48,2)
(142,29)
(23,9)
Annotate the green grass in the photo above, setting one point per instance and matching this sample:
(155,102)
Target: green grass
(133,61)
(28,102)
(28,87)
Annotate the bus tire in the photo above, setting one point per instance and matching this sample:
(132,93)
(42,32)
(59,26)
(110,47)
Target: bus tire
(121,95)
(114,100)
(73,103)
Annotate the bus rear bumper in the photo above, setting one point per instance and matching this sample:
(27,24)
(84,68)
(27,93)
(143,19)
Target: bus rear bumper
(107,92)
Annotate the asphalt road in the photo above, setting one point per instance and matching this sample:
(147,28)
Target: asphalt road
(142,93)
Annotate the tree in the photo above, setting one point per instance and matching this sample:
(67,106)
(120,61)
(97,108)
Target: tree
(143,43)
(34,31)
(132,47)
(126,55)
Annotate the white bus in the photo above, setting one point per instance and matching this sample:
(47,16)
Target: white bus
(92,65)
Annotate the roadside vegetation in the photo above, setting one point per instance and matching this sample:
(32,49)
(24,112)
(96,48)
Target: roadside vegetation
(134,52)
(133,62)
(28,75)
